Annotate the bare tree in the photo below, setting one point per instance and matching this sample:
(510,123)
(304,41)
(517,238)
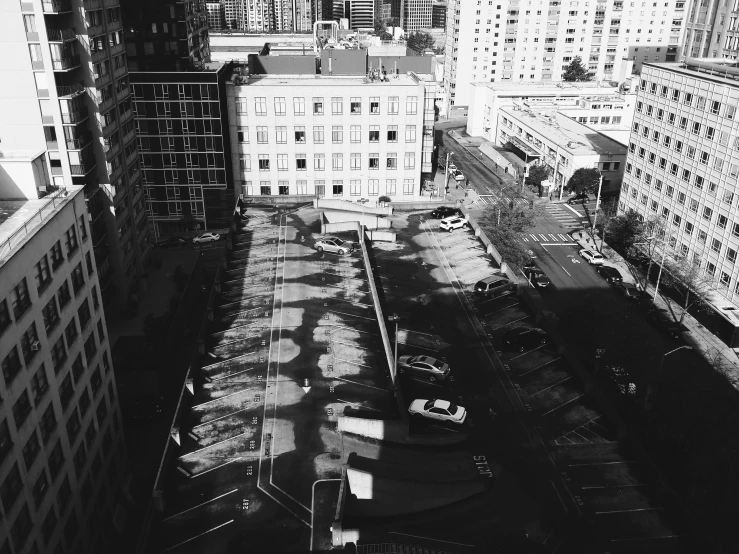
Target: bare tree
(689,281)
(648,239)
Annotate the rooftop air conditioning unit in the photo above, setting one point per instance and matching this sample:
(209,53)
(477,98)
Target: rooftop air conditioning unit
(35,345)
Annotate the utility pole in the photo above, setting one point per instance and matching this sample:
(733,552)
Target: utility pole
(659,275)
(446,169)
(597,205)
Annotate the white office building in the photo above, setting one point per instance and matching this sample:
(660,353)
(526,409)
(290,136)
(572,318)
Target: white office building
(512,40)
(683,163)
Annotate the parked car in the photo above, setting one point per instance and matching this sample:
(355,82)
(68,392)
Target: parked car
(593,258)
(458,175)
(663,321)
(424,366)
(170,242)
(443,212)
(578,199)
(536,275)
(440,410)
(206,237)
(493,286)
(452,223)
(521,339)
(610,274)
(452,167)
(632,292)
(334,244)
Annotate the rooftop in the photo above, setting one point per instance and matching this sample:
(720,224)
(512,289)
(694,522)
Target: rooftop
(320,80)
(572,136)
(20,219)
(719,70)
(543,86)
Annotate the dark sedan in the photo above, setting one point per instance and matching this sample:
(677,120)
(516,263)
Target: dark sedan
(171,241)
(445,211)
(536,275)
(521,339)
(632,292)
(610,274)
(578,199)
(662,320)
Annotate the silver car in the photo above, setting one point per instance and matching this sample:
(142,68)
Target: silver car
(441,410)
(424,366)
(334,244)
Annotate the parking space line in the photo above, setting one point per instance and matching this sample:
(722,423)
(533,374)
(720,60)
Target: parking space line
(656,509)
(529,351)
(554,385)
(358,384)
(358,404)
(563,404)
(349,344)
(445,428)
(414,346)
(196,537)
(506,324)
(199,505)
(353,363)
(417,380)
(540,366)
(616,486)
(216,419)
(219,398)
(194,475)
(216,379)
(430,539)
(211,446)
(592,464)
(351,315)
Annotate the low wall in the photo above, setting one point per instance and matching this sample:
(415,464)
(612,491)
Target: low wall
(377,234)
(392,430)
(342,226)
(345,205)
(423,205)
(275,199)
(368,220)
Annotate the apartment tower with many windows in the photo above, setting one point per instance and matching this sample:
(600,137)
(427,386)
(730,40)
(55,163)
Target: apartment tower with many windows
(61,443)
(64,91)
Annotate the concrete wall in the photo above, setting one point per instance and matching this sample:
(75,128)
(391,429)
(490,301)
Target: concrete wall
(345,205)
(368,220)
(386,236)
(22,178)
(427,205)
(282,65)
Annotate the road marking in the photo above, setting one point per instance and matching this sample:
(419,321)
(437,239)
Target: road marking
(445,428)
(553,237)
(554,385)
(360,384)
(506,324)
(313,503)
(540,366)
(631,510)
(543,236)
(534,237)
(558,244)
(194,475)
(199,505)
(217,419)
(430,539)
(563,404)
(358,404)
(196,537)
(529,351)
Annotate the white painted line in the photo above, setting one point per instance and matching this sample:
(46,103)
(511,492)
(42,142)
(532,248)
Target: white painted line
(543,236)
(281,504)
(215,468)
(554,385)
(199,505)
(530,351)
(564,404)
(353,363)
(630,511)
(614,486)
(220,398)
(540,366)
(359,384)
(593,464)
(430,539)
(216,419)
(313,503)
(534,237)
(525,239)
(215,379)
(573,210)
(196,537)
(553,237)
(351,315)
(445,428)
(210,446)
(558,244)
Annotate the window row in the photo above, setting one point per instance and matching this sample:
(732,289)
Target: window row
(728,111)
(319,162)
(356,188)
(299,136)
(317,105)
(694,127)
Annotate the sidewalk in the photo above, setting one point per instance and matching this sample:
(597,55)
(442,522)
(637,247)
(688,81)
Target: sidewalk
(712,348)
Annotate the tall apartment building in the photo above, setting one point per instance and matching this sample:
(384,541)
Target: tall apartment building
(360,13)
(683,163)
(216,16)
(61,445)
(438,15)
(417,15)
(339,136)
(170,36)
(512,40)
(712,30)
(64,91)
(182,125)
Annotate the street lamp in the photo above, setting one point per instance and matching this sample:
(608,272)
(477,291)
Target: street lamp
(662,361)
(500,198)
(446,169)
(395,318)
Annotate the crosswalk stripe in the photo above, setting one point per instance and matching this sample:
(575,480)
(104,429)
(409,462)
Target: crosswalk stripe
(534,237)
(543,236)
(525,239)
(553,237)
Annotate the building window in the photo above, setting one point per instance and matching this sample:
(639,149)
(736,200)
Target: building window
(262,135)
(260,105)
(78,278)
(299,105)
(70,241)
(242,135)
(390,187)
(39,385)
(337,162)
(302,187)
(410,133)
(355,161)
(280,135)
(375,105)
(263,162)
(374,187)
(355,133)
(21,409)
(31,450)
(392,161)
(50,315)
(318,135)
(392,105)
(411,105)
(337,134)
(29,343)
(83,227)
(56,255)
(356,105)
(265,189)
(11,488)
(392,133)
(374,133)
(299,135)
(19,299)
(245,162)
(410,160)
(338,188)
(319,162)
(47,425)
(58,355)
(407,186)
(84,314)
(337,106)
(281,162)
(317,106)
(11,366)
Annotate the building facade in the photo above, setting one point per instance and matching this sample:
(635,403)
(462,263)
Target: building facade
(334,137)
(712,30)
(561,143)
(169,36)
(61,443)
(65,91)
(438,15)
(417,15)
(514,41)
(683,163)
(216,16)
(182,125)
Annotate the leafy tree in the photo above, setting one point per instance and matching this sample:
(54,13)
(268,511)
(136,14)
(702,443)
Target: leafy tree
(385,36)
(504,225)
(691,281)
(576,71)
(538,173)
(584,181)
(420,41)
(623,230)
(379,26)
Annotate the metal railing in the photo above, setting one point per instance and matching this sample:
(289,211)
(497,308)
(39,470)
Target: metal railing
(70,90)
(56,199)
(56,6)
(60,35)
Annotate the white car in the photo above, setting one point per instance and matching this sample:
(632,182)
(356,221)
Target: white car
(451,223)
(206,237)
(334,244)
(452,167)
(593,258)
(441,410)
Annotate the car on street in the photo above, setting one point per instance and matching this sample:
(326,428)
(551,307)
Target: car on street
(458,175)
(445,211)
(521,339)
(452,167)
(335,245)
(632,292)
(593,258)
(452,223)
(440,410)
(610,274)
(424,366)
(206,237)
(170,242)
(536,275)
(578,199)
(493,286)
(663,321)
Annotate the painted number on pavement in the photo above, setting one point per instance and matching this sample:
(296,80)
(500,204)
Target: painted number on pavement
(482,466)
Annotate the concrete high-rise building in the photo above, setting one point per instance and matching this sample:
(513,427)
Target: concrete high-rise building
(61,444)
(170,36)
(683,164)
(216,15)
(182,124)
(438,15)
(284,16)
(508,40)
(65,91)
(711,30)
(416,15)
(360,13)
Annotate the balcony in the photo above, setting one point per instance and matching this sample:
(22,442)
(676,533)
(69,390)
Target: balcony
(61,35)
(120,72)
(75,115)
(66,62)
(78,143)
(70,91)
(56,6)
(80,170)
